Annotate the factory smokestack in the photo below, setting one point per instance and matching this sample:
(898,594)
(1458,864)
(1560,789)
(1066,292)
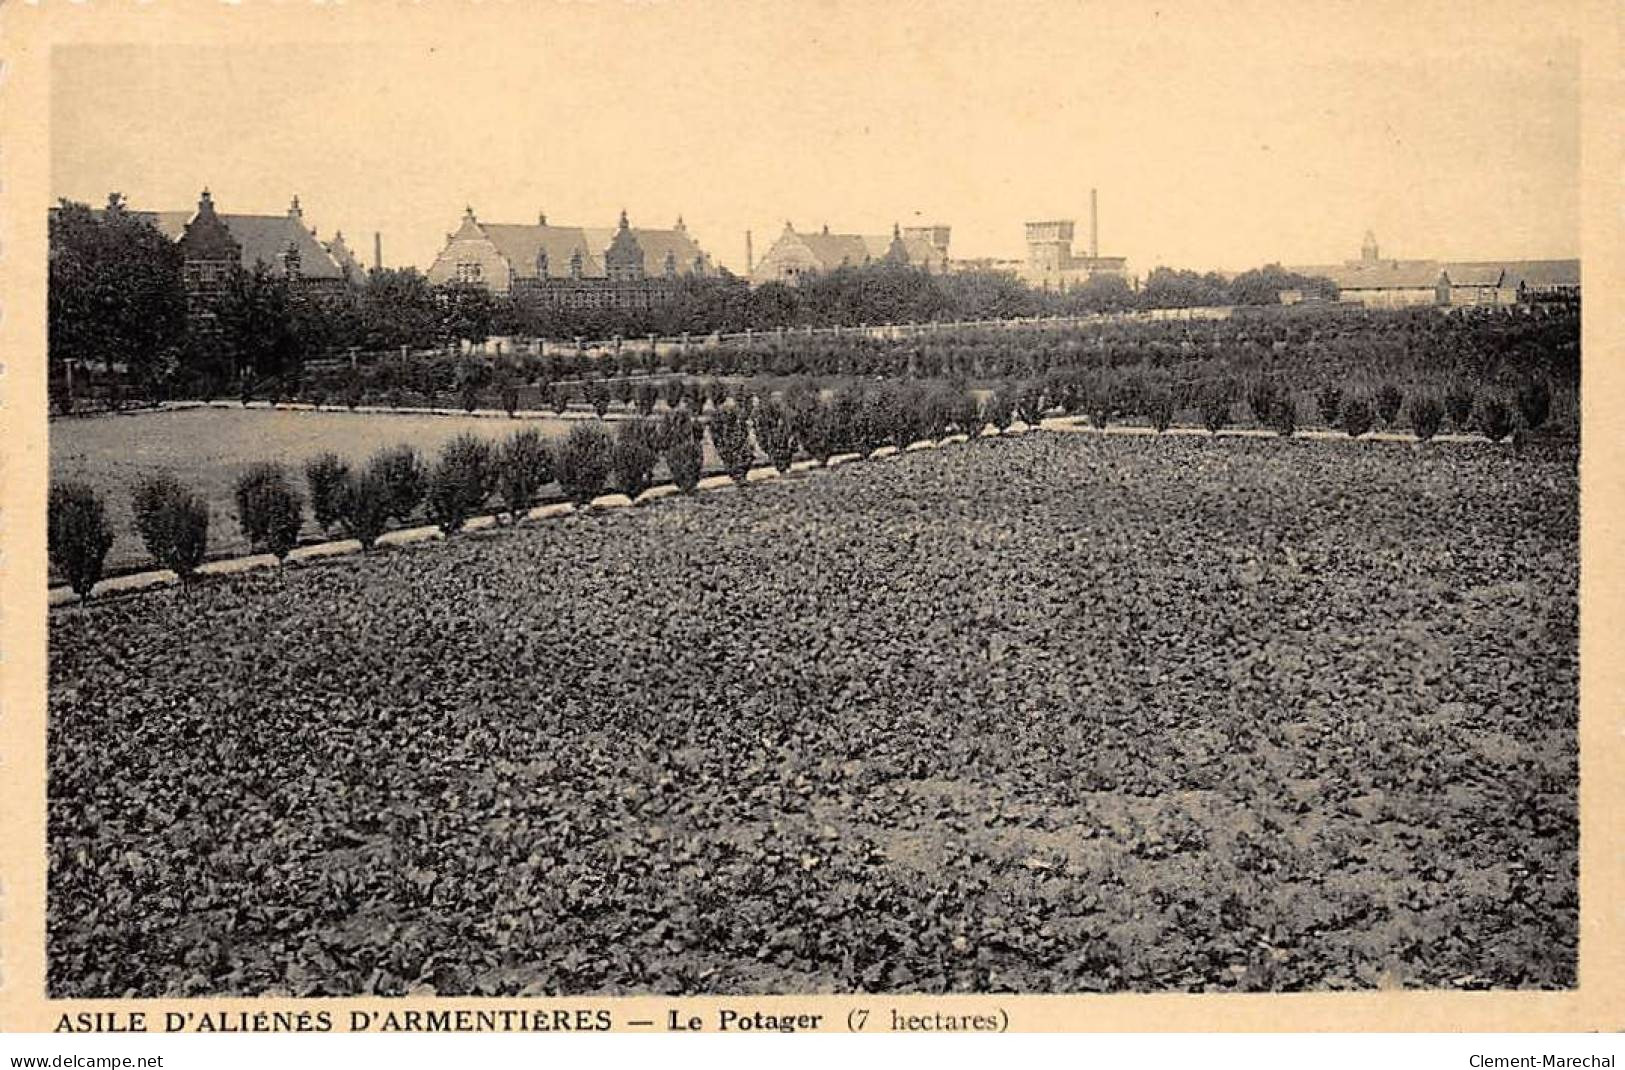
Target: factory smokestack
(750,256)
(1094,226)
(378,250)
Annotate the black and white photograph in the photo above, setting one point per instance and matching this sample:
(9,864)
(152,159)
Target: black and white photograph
(737,499)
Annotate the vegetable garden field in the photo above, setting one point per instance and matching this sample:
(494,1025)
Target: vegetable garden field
(1048,713)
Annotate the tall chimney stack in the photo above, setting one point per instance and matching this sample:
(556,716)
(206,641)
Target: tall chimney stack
(750,256)
(1094,225)
(378,250)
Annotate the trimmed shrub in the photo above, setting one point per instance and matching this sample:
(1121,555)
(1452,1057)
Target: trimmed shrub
(510,396)
(462,480)
(676,426)
(1356,416)
(557,397)
(623,390)
(173,524)
(999,408)
(808,422)
(673,392)
(269,511)
(775,434)
(405,477)
(645,397)
(1215,408)
(1495,419)
(1263,396)
(597,393)
(633,457)
(966,414)
(694,396)
(1535,403)
(1283,416)
(324,477)
(717,392)
(1387,402)
(1426,413)
(928,412)
(469,391)
(1160,408)
(1099,417)
(364,503)
(77,535)
(885,418)
(352,392)
(846,420)
(1329,401)
(1030,402)
(524,466)
(730,435)
(1458,402)
(683,455)
(582,464)
(1061,391)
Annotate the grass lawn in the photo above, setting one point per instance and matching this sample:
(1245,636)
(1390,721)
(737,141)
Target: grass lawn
(1052,713)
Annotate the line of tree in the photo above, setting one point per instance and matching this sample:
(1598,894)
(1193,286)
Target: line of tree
(118,308)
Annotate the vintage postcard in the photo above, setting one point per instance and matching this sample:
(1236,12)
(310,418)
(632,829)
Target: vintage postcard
(748,517)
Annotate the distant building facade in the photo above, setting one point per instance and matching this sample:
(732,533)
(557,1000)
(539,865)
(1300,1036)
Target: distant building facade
(215,243)
(795,254)
(1378,283)
(1052,264)
(214,246)
(618,268)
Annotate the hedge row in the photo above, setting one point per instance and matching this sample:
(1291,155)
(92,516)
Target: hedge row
(1485,348)
(398,485)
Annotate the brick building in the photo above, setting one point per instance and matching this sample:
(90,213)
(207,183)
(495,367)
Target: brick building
(795,254)
(618,268)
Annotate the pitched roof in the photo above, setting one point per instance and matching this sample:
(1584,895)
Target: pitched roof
(854,250)
(267,237)
(1476,273)
(1376,275)
(1541,273)
(519,243)
(344,258)
(262,237)
(833,250)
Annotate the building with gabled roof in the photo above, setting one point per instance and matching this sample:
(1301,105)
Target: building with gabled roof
(352,268)
(795,254)
(616,267)
(1379,283)
(282,243)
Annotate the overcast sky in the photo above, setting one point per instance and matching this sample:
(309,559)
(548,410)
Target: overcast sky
(1219,136)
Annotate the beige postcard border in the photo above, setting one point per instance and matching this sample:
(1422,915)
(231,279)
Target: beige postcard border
(28,31)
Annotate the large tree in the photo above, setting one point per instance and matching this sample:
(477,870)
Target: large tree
(116,298)
(398,307)
(257,318)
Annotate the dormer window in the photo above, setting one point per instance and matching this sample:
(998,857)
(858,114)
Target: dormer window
(575,264)
(671,265)
(541,263)
(469,272)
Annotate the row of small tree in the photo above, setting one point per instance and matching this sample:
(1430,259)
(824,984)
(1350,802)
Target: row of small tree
(397,485)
